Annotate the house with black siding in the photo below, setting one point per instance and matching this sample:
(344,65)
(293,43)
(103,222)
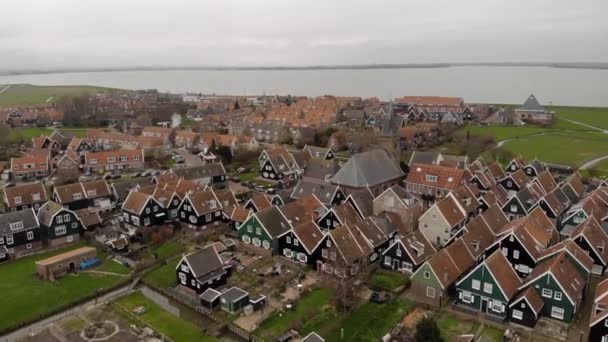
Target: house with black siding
(58,225)
(141,209)
(590,236)
(598,320)
(520,248)
(406,254)
(515,181)
(301,243)
(201,208)
(202,270)
(526,308)
(19,234)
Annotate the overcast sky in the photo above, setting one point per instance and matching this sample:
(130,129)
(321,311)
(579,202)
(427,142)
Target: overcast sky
(124,33)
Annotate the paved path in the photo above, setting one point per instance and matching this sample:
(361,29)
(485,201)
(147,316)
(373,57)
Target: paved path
(5,89)
(584,124)
(592,162)
(38,326)
(49,99)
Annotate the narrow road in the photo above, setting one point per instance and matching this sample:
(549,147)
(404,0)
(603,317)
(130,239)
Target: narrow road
(38,326)
(592,162)
(584,124)
(5,89)
(49,99)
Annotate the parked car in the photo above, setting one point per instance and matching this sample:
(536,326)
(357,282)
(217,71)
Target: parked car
(260,188)
(271,191)
(241,169)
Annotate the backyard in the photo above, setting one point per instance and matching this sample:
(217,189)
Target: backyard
(452,326)
(162,321)
(388,280)
(163,276)
(26,297)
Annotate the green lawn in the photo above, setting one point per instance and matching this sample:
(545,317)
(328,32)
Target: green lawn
(26,297)
(163,276)
(311,312)
(388,280)
(452,326)
(162,321)
(27,94)
(27,133)
(501,132)
(109,265)
(246,176)
(597,117)
(168,249)
(494,334)
(567,148)
(370,321)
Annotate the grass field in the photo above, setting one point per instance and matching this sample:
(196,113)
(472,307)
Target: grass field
(388,280)
(311,311)
(597,117)
(27,94)
(26,297)
(501,132)
(567,148)
(163,276)
(168,249)
(163,321)
(27,133)
(370,321)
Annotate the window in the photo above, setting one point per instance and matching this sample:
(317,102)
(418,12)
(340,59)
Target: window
(182,278)
(287,253)
(74,224)
(30,235)
(246,239)
(185,268)
(431,178)
(430,292)
(9,239)
(256,242)
(155,208)
(387,260)
(476,284)
(249,229)
(487,288)
(296,242)
(427,275)
(509,183)
(17,200)
(16,225)
(192,219)
(516,254)
(513,208)
(135,220)
(136,157)
(389,201)
(258,231)
(407,266)
(577,219)
(59,219)
(28,246)
(146,221)
(183,214)
(77,195)
(517,314)
(60,230)
(504,251)
(497,306)
(93,161)
(302,257)
(66,218)
(111,159)
(547,293)
(332,255)
(147,210)
(208,217)
(324,253)
(328,243)
(467,297)
(557,295)
(266,244)
(557,312)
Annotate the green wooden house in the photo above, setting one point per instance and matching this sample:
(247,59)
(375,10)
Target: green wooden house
(263,229)
(489,287)
(560,286)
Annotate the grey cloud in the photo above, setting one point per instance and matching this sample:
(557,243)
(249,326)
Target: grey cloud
(119,33)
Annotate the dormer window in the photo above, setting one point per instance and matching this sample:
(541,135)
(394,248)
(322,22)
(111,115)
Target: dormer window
(16,225)
(431,178)
(17,200)
(36,196)
(77,196)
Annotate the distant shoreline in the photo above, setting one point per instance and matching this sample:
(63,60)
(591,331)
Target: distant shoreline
(590,66)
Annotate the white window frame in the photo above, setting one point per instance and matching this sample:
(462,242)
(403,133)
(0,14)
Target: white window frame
(557,295)
(430,292)
(467,297)
(547,293)
(557,312)
(476,284)
(488,288)
(517,314)
(30,235)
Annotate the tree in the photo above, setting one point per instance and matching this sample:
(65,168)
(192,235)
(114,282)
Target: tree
(428,331)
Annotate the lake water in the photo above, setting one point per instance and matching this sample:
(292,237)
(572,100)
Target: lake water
(574,87)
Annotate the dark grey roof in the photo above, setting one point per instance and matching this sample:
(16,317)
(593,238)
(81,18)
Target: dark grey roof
(364,200)
(316,151)
(210,295)
(320,169)
(234,294)
(404,195)
(313,337)
(368,168)
(199,172)
(121,189)
(424,157)
(569,192)
(47,211)
(323,190)
(28,217)
(384,224)
(531,104)
(204,261)
(273,220)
